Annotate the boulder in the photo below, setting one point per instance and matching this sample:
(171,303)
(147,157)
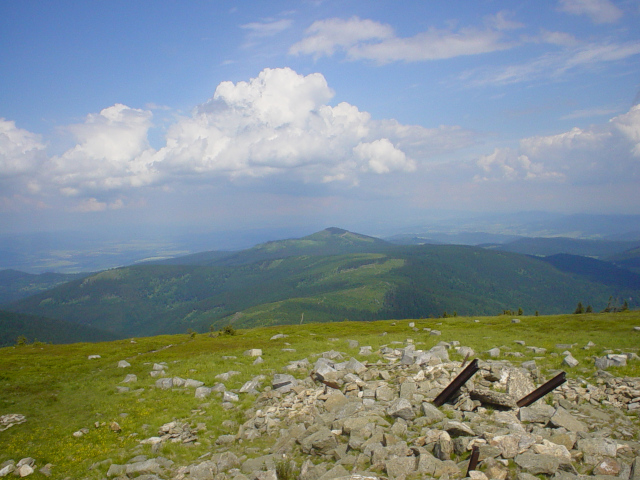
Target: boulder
(562,418)
(401,408)
(537,464)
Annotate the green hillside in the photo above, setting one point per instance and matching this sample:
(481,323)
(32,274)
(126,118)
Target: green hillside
(629,259)
(15,285)
(318,278)
(48,330)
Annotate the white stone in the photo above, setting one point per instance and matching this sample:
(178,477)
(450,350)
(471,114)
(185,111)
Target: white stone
(254,352)
(123,364)
(92,357)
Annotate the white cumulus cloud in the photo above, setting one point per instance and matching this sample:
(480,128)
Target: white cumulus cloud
(600,154)
(279,124)
(112,152)
(21,151)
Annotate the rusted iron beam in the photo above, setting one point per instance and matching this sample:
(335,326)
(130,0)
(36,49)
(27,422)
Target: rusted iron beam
(457,383)
(542,390)
(473,460)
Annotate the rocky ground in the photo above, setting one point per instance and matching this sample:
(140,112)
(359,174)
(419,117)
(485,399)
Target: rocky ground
(327,417)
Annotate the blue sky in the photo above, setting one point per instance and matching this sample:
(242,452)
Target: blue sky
(357,114)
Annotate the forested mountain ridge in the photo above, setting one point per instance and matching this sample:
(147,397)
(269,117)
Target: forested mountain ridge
(15,285)
(328,276)
(17,327)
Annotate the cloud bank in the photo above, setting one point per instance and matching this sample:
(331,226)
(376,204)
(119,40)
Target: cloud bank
(279,128)
(598,155)
(277,124)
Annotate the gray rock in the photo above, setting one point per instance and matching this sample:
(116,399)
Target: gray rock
(203,392)
(123,364)
(354,366)
(457,429)
(562,418)
(385,394)
(283,382)
(466,351)
(491,397)
(617,360)
(230,397)
(130,378)
(254,352)
(597,446)
(336,472)
(321,442)
(164,383)
(400,466)
(401,408)
(494,352)
(569,361)
(435,332)
(537,464)
(535,413)
(145,467)
(6,470)
(190,383)
(441,352)
(250,386)
(518,384)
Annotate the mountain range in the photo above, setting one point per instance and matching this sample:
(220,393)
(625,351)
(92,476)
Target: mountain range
(333,275)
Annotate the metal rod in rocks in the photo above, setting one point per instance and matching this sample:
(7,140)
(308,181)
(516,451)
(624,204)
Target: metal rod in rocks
(473,461)
(456,383)
(542,390)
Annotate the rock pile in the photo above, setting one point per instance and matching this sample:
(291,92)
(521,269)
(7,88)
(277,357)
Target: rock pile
(11,419)
(334,417)
(351,420)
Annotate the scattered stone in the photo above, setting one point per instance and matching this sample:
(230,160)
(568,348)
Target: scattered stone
(91,357)
(130,378)
(203,392)
(254,352)
(570,362)
(123,364)
(11,419)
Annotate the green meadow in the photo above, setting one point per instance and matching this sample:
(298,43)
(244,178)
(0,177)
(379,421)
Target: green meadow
(61,391)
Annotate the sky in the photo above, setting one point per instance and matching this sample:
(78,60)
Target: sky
(352,113)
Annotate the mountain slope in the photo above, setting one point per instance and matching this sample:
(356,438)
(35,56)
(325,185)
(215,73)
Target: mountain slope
(48,330)
(551,246)
(15,285)
(297,280)
(596,270)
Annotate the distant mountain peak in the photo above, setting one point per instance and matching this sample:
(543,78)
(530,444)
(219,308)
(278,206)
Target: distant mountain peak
(336,231)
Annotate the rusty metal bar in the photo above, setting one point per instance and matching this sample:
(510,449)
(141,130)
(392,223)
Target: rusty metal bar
(542,390)
(464,362)
(456,383)
(473,461)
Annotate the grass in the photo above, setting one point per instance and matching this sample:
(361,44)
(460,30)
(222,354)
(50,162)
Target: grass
(60,390)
